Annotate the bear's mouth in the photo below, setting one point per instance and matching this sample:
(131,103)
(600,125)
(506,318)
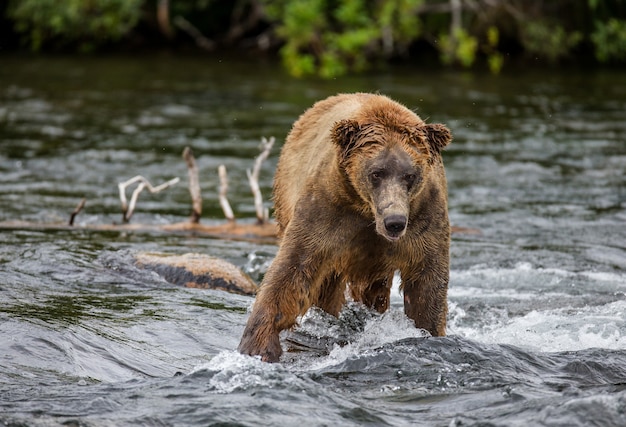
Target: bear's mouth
(393,237)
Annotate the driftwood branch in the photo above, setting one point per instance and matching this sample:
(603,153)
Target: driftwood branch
(163,18)
(456,9)
(133,201)
(78,208)
(194,186)
(201,40)
(228,212)
(262,214)
(129,208)
(241,24)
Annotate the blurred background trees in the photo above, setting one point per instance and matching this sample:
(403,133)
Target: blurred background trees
(82,24)
(328,38)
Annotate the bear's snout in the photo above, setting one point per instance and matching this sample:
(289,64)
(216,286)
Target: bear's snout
(395,226)
(395,223)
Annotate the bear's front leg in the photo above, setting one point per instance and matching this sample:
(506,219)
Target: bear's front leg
(261,337)
(283,296)
(426,299)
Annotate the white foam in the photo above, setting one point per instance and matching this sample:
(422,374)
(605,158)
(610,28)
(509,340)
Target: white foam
(523,275)
(233,371)
(602,276)
(526,276)
(550,323)
(392,326)
(564,329)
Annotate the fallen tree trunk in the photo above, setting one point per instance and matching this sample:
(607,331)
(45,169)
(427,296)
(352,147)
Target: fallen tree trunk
(252,232)
(197,271)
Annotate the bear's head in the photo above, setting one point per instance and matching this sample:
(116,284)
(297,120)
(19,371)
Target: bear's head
(389,164)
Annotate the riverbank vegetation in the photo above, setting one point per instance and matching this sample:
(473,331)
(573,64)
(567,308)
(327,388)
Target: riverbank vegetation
(329,38)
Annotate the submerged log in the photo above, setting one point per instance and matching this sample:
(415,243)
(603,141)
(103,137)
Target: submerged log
(255,232)
(250,232)
(197,271)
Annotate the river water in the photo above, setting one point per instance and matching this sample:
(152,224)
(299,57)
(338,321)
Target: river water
(537,300)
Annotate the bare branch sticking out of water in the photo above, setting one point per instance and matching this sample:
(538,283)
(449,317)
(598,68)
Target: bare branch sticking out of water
(163,18)
(262,214)
(200,39)
(78,208)
(129,208)
(228,212)
(194,186)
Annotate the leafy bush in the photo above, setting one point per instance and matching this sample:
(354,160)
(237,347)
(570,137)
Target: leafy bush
(548,41)
(330,38)
(87,22)
(458,47)
(609,39)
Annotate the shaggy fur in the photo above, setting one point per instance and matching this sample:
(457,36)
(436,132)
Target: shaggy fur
(360,192)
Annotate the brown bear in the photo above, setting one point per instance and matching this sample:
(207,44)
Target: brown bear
(360,193)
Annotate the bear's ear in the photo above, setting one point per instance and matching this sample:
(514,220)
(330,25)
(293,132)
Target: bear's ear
(344,134)
(438,136)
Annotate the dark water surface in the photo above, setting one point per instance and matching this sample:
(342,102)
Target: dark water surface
(537,323)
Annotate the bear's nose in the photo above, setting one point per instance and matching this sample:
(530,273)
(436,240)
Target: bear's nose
(395,224)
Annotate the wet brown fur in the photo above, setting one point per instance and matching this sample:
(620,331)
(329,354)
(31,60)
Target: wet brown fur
(350,163)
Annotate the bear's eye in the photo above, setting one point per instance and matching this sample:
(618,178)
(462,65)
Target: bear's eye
(377,176)
(410,179)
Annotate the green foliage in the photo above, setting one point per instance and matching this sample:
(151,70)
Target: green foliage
(548,41)
(495,59)
(463,48)
(609,39)
(330,38)
(459,47)
(399,19)
(593,4)
(86,22)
